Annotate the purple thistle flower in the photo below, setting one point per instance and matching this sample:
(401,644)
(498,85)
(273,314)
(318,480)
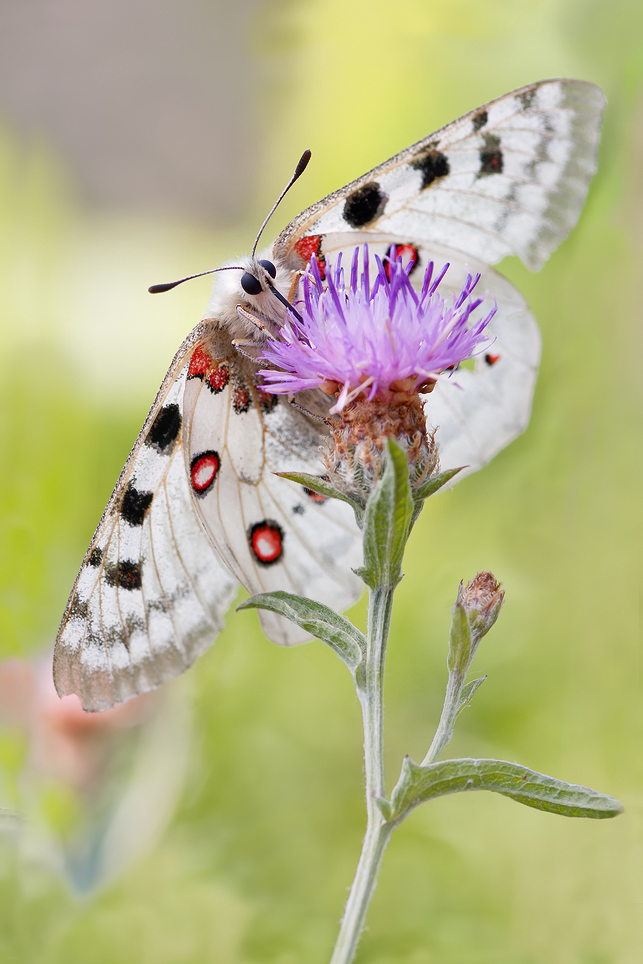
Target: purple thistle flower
(372,340)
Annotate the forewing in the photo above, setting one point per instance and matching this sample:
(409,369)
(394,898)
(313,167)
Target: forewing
(151,593)
(271,532)
(507,178)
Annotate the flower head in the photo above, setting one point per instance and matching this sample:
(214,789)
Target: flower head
(361,340)
(482,599)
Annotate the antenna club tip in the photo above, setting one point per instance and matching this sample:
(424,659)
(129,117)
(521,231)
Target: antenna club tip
(159,289)
(303,163)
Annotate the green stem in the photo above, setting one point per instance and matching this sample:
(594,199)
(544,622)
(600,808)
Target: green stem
(370,692)
(448,717)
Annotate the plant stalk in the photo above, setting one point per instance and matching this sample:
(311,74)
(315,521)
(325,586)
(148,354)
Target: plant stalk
(370,691)
(448,717)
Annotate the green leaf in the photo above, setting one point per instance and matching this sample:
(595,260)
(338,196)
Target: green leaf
(434,483)
(468,693)
(318,620)
(321,486)
(387,521)
(384,807)
(459,641)
(417,784)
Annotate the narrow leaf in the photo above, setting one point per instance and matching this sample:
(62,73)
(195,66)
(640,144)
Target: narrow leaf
(434,483)
(320,486)
(316,619)
(468,692)
(387,521)
(418,784)
(459,641)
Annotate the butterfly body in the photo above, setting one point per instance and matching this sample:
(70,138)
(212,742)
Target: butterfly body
(198,507)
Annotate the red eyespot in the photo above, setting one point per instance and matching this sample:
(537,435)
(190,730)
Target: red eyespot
(204,469)
(309,246)
(200,364)
(315,496)
(267,401)
(266,541)
(491,359)
(407,252)
(218,379)
(241,400)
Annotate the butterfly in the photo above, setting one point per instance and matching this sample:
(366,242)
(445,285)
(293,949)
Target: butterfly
(198,507)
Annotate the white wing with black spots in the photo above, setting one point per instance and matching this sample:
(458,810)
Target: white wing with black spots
(510,177)
(151,593)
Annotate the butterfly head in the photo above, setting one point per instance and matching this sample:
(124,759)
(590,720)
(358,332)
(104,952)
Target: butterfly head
(256,285)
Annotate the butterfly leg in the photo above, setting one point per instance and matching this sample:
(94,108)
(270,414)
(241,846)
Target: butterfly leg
(265,327)
(247,347)
(298,275)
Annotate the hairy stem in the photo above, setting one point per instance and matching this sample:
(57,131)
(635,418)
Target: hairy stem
(370,692)
(449,715)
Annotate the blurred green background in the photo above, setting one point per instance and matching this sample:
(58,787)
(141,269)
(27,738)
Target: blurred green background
(255,864)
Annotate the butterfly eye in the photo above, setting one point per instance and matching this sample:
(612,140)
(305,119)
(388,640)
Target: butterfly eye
(250,284)
(269,267)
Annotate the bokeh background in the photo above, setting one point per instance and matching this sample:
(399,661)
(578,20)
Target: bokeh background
(145,139)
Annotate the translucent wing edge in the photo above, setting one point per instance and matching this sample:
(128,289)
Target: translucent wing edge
(567,200)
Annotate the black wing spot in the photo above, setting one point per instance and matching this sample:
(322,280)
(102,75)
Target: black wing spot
(491,161)
(364,204)
(432,165)
(480,120)
(135,504)
(165,429)
(527,98)
(124,574)
(95,557)
(79,609)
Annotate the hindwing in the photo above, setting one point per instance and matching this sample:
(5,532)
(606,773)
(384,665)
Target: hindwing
(271,532)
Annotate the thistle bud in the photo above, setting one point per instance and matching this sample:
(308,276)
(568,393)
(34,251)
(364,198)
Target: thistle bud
(481,599)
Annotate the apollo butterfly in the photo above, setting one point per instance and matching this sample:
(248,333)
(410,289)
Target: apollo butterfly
(198,508)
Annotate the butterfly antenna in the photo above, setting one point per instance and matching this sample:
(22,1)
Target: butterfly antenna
(299,170)
(159,289)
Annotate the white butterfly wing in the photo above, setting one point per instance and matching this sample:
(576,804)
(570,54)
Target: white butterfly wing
(272,533)
(151,593)
(510,177)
